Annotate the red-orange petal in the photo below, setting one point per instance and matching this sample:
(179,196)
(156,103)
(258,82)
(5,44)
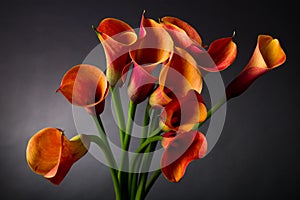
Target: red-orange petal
(267,55)
(50,154)
(180,152)
(181,115)
(220,54)
(190,31)
(116,37)
(84,85)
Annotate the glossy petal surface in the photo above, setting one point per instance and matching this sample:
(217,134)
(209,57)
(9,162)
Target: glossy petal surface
(180,152)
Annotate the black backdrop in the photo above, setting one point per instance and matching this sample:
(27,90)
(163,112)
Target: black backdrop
(257,155)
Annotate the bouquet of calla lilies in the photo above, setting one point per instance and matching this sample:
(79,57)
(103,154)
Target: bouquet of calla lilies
(161,66)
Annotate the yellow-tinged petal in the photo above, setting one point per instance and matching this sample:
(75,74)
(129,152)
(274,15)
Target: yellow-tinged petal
(267,55)
(181,74)
(116,37)
(180,151)
(50,154)
(160,97)
(85,86)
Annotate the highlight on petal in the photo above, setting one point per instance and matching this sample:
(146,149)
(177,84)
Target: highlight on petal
(116,37)
(50,154)
(181,115)
(267,55)
(219,56)
(84,85)
(154,46)
(180,151)
(160,97)
(141,84)
(190,31)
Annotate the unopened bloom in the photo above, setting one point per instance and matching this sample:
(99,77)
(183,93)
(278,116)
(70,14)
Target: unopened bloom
(50,154)
(267,55)
(180,151)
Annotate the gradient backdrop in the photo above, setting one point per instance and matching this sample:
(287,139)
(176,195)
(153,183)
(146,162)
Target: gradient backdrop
(257,155)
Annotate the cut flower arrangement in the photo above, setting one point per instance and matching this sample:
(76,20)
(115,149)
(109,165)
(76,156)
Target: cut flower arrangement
(175,109)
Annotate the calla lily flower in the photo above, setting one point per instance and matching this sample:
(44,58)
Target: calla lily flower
(220,54)
(141,84)
(182,114)
(85,86)
(154,46)
(177,78)
(116,37)
(267,55)
(180,151)
(50,154)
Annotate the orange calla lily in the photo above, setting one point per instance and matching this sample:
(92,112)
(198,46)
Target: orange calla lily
(176,78)
(50,154)
(182,114)
(85,86)
(220,54)
(180,151)
(178,24)
(153,47)
(116,37)
(141,84)
(267,55)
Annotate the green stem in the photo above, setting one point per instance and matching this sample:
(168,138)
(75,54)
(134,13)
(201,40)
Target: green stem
(133,176)
(115,94)
(147,158)
(130,120)
(123,175)
(146,124)
(152,180)
(97,140)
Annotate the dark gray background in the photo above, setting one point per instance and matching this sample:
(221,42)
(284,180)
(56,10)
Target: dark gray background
(257,156)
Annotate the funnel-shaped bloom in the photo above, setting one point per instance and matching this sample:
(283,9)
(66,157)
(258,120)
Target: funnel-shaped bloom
(220,54)
(154,47)
(267,55)
(180,151)
(177,78)
(85,86)
(50,154)
(181,115)
(116,37)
